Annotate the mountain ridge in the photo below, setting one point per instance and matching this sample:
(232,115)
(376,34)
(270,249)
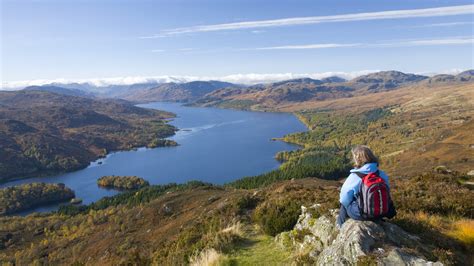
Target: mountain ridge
(272,96)
(45,133)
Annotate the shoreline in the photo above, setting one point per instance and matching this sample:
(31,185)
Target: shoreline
(51,173)
(103,158)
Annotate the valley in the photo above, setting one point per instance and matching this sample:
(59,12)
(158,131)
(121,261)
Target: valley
(236,133)
(420,127)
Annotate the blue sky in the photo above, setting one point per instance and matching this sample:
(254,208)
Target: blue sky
(80,40)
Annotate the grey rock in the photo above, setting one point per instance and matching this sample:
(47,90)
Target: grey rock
(327,245)
(399,257)
(167,209)
(354,240)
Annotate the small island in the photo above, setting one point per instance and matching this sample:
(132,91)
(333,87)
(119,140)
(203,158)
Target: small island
(162,143)
(122,182)
(23,197)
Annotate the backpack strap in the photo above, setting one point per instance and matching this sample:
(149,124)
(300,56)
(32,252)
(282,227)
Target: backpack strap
(361,175)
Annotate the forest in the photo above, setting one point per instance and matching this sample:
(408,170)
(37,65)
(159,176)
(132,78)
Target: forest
(65,133)
(122,182)
(27,196)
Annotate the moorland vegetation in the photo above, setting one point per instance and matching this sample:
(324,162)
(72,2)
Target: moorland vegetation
(47,133)
(421,132)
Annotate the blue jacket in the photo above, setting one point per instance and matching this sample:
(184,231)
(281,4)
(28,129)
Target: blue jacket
(351,186)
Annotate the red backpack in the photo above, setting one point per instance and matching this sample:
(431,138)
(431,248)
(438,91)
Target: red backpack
(374,197)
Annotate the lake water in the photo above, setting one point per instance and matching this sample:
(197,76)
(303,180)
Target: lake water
(215,145)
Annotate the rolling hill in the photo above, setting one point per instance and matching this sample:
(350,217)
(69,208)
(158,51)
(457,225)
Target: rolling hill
(301,93)
(421,131)
(60,90)
(44,133)
(177,92)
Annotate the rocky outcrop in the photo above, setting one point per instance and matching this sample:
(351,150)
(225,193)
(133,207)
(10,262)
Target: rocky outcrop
(379,243)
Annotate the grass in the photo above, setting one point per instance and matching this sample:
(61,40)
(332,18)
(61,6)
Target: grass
(463,230)
(257,249)
(208,257)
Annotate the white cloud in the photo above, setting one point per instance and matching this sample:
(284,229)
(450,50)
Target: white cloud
(186,49)
(310,46)
(453,71)
(157,51)
(447,24)
(275,77)
(251,78)
(437,42)
(248,79)
(394,14)
(407,43)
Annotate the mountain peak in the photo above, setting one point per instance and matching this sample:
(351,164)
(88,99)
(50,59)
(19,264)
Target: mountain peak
(389,76)
(298,81)
(59,90)
(333,79)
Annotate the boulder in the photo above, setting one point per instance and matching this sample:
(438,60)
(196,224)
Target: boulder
(399,257)
(383,243)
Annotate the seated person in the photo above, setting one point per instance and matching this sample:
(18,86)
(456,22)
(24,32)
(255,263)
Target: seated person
(365,195)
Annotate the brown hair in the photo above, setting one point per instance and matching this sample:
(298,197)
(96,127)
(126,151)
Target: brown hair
(361,155)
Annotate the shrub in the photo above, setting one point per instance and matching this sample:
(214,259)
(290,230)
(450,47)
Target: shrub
(276,217)
(246,202)
(463,230)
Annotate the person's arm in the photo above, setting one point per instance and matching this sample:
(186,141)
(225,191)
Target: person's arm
(349,189)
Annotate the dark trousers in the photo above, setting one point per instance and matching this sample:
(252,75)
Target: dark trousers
(352,211)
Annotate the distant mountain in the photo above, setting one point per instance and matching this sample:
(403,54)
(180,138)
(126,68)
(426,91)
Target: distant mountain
(466,76)
(46,133)
(274,95)
(306,81)
(442,78)
(333,79)
(225,94)
(108,91)
(177,92)
(60,90)
(384,80)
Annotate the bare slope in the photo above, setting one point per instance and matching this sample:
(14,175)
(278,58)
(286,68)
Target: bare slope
(301,94)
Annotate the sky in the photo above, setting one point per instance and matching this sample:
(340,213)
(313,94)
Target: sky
(120,41)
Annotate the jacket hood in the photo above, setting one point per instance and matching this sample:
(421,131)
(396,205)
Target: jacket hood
(366,168)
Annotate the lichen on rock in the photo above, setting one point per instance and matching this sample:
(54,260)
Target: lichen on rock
(383,242)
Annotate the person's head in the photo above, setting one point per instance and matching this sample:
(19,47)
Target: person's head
(361,155)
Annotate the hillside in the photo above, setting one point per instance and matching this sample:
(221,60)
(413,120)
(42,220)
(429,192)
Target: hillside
(26,196)
(176,92)
(176,224)
(45,133)
(466,76)
(421,132)
(60,90)
(412,129)
(305,93)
